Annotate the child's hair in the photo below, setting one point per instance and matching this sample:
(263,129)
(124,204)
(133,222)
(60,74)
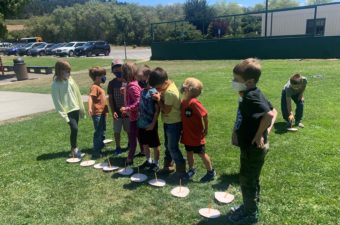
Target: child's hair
(96,72)
(157,76)
(295,79)
(60,66)
(248,69)
(143,71)
(129,71)
(194,86)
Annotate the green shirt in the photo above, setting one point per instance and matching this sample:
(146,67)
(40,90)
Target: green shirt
(171,98)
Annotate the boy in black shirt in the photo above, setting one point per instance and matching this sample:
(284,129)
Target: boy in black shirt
(254,116)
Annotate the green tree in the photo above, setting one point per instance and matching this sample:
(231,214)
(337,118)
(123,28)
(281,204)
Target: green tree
(222,8)
(279,4)
(198,13)
(316,2)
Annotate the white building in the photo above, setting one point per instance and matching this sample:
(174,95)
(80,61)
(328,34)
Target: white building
(300,21)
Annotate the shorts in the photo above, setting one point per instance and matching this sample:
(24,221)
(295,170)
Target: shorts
(149,137)
(119,123)
(196,149)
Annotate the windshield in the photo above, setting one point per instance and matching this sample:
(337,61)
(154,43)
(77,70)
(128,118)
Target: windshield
(69,45)
(88,43)
(79,44)
(40,46)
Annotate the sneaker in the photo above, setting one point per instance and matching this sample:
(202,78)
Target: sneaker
(154,167)
(117,151)
(237,208)
(300,125)
(145,166)
(209,176)
(239,216)
(78,153)
(191,172)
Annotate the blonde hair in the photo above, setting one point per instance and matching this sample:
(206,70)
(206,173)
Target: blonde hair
(194,86)
(248,69)
(96,72)
(60,66)
(129,71)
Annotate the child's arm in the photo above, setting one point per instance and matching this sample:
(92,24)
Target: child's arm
(264,124)
(135,95)
(163,107)
(155,118)
(273,120)
(205,122)
(90,104)
(57,104)
(112,107)
(301,94)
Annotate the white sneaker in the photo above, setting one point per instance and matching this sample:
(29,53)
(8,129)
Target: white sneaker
(300,125)
(78,153)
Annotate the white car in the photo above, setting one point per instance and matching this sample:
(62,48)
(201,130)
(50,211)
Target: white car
(68,49)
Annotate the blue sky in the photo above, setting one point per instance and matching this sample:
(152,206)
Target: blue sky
(166,2)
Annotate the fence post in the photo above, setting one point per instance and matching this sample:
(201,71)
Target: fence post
(315,14)
(2,67)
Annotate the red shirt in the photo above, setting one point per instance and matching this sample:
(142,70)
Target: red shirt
(192,112)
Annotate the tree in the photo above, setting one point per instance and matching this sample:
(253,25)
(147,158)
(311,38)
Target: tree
(279,4)
(316,2)
(198,13)
(222,8)
(219,27)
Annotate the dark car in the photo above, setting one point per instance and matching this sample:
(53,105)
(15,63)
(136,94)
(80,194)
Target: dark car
(39,50)
(24,50)
(14,49)
(51,49)
(93,48)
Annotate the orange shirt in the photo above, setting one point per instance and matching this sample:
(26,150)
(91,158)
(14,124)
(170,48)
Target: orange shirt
(192,112)
(99,100)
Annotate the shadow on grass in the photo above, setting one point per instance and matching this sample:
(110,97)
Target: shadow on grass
(225,180)
(280,127)
(7,76)
(218,221)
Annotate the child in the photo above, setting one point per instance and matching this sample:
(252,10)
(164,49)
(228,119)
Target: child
(98,109)
(132,103)
(255,115)
(148,122)
(195,127)
(116,100)
(169,102)
(293,89)
(68,101)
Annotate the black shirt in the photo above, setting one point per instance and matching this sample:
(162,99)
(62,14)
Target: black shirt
(253,105)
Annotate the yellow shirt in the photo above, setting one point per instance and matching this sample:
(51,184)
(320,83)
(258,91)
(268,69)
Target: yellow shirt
(171,98)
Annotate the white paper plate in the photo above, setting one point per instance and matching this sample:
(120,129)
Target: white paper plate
(110,168)
(157,183)
(73,160)
(138,177)
(209,213)
(292,129)
(87,163)
(100,165)
(107,141)
(125,171)
(180,192)
(224,197)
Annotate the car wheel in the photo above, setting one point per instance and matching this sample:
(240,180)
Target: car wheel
(107,52)
(88,54)
(70,53)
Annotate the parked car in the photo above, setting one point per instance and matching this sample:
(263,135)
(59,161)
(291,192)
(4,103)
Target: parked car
(4,46)
(24,50)
(14,49)
(52,49)
(69,48)
(39,50)
(93,48)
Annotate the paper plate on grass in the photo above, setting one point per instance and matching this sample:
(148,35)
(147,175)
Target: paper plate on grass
(224,197)
(125,171)
(110,168)
(73,160)
(157,182)
(87,163)
(293,129)
(180,192)
(209,213)
(107,141)
(138,177)
(100,165)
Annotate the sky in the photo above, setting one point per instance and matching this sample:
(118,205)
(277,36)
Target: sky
(167,2)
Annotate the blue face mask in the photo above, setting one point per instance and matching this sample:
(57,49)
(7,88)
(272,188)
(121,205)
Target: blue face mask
(118,74)
(103,79)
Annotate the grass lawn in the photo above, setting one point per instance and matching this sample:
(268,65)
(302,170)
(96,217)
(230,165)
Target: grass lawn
(299,181)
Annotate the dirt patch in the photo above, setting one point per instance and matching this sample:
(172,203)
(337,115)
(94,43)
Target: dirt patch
(16,27)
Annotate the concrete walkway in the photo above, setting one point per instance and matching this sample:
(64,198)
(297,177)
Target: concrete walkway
(18,104)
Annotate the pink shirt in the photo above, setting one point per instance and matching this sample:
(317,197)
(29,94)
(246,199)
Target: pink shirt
(132,99)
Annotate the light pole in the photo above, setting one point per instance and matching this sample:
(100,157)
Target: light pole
(266,19)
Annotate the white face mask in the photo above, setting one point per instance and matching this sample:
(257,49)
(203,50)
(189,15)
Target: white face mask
(237,86)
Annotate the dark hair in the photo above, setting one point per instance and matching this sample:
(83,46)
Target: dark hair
(295,79)
(96,72)
(61,65)
(157,76)
(248,69)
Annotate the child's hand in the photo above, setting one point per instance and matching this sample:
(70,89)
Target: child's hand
(123,110)
(151,126)
(205,132)
(259,141)
(156,96)
(122,90)
(291,117)
(90,112)
(115,115)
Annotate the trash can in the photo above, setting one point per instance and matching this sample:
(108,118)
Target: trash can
(20,69)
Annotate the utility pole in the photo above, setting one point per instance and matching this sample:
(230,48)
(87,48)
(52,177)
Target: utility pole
(266,19)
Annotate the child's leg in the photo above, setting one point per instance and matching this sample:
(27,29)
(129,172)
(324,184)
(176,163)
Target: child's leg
(74,118)
(190,158)
(206,161)
(299,108)
(284,109)
(156,153)
(146,151)
(132,140)
(117,127)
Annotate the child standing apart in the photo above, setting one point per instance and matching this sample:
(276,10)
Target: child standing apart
(68,101)
(195,127)
(254,117)
(169,102)
(148,122)
(98,109)
(131,108)
(116,100)
(293,89)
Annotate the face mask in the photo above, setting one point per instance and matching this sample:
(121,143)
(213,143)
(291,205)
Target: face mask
(118,74)
(237,86)
(142,83)
(182,90)
(103,79)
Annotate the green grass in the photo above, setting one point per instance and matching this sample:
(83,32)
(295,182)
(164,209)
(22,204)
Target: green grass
(299,181)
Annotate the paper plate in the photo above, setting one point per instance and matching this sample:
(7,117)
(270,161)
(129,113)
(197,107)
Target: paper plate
(100,165)
(125,171)
(138,177)
(292,129)
(224,197)
(73,160)
(157,183)
(209,213)
(107,141)
(110,168)
(87,163)
(180,192)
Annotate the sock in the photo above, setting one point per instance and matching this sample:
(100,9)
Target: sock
(149,160)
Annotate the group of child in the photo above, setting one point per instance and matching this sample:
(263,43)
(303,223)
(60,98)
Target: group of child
(137,96)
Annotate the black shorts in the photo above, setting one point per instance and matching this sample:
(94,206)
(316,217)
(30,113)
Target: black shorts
(149,137)
(196,149)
